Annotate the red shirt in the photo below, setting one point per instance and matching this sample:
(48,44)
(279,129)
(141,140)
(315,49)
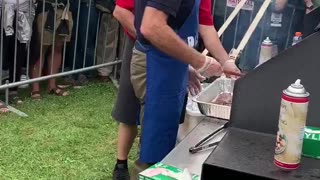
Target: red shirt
(205,14)
(128,5)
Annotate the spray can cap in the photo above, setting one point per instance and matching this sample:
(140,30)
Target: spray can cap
(298,34)
(267,41)
(296,90)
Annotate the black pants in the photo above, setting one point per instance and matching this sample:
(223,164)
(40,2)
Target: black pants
(9,56)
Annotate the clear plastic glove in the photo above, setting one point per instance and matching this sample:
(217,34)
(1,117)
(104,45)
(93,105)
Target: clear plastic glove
(210,68)
(229,67)
(195,79)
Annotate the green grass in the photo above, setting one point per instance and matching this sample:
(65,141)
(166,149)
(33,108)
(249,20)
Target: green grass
(70,137)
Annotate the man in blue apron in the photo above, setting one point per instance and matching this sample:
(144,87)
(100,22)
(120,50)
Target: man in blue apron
(169,29)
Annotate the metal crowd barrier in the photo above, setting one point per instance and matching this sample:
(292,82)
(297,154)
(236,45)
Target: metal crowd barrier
(19,18)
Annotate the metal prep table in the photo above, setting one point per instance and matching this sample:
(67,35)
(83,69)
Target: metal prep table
(191,132)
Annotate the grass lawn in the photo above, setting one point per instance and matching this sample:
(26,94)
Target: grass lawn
(63,138)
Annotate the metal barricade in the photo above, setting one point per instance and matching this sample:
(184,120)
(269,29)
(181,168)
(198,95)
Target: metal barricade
(37,35)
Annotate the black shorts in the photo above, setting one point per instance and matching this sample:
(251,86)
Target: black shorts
(127,107)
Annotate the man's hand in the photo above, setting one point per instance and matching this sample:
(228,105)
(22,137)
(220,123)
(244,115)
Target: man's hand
(210,68)
(230,67)
(195,79)
(126,18)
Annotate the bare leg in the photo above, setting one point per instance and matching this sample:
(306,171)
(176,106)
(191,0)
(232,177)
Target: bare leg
(126,137)
(53,68)
(36,71)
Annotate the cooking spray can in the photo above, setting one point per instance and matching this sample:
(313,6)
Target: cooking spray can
(292,121)
(266,50)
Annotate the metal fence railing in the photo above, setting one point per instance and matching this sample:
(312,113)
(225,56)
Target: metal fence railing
(46,39)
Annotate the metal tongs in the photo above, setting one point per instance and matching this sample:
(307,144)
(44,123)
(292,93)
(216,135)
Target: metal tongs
(200,146)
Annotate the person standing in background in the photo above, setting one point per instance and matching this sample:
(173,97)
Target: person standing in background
(126,108)
(18,19)
(82,41)
(110,38)
(50,33)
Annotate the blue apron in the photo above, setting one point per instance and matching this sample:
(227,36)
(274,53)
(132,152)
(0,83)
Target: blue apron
(167,80)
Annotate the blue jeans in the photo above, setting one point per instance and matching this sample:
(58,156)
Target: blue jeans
(82,45)
(282,36)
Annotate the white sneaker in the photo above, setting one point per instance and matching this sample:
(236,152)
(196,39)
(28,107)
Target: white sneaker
(24,78)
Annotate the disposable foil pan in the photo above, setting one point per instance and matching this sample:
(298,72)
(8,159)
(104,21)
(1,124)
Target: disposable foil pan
(207,95)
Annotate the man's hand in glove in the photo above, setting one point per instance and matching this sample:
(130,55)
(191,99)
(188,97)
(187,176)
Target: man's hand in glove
(195,79)
(229,67)
(210,68)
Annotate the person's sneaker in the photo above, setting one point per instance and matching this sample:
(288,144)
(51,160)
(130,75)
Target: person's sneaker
(120,173)
(24,78)
(67,82)
(82,81)
(105,6)
(104,78)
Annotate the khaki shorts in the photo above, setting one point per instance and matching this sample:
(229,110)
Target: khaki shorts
(138,73)
(47,35)
(138,80)
(138,76)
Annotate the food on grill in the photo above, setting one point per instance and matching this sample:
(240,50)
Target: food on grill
(223,98)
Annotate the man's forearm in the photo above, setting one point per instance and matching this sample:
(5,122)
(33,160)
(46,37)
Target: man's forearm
(166,40)
(126,19)
(212,42)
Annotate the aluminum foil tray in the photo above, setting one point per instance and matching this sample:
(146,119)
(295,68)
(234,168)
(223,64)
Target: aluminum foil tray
(205,98)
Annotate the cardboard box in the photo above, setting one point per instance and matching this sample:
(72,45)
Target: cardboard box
(161,171)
